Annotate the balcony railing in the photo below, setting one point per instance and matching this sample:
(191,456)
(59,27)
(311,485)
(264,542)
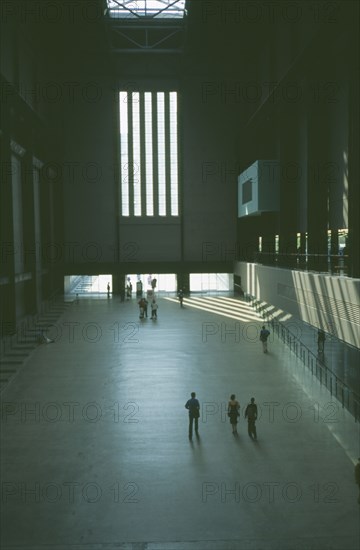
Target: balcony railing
(349,399)
(336,264)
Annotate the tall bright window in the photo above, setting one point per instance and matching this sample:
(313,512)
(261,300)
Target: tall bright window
(149,171)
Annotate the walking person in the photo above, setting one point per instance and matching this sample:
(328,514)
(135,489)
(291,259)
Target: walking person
(122,294)
(251,414)
(154,308)
(264,335)
(146,303)
(357,477)
(321,341)
(181,297)
(193,407)
(141,309)
(233,412)
(108,290)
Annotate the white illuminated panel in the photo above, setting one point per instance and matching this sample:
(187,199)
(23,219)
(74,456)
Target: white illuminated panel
(258,188)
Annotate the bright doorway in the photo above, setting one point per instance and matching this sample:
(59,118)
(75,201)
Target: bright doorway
(87,284)
(165,282)
(211,282)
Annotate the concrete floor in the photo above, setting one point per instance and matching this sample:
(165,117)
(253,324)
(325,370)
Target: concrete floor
(95,452)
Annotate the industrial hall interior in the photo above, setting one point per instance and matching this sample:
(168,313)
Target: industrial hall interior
(179,275)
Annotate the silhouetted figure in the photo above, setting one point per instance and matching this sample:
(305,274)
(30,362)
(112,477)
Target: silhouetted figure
(139,288)
(108,290)
(129,290)
(181,297)
(357,477)
(122,294)
(141,308)
(321,341)
(264,335)
(154,308)
(251,413)
(233,412)
(193,407)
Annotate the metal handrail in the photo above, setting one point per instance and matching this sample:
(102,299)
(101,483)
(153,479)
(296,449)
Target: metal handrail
(320,263)
(26,323)
(337,387)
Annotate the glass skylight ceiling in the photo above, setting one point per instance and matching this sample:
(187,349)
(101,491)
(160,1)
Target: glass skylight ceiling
(146,9)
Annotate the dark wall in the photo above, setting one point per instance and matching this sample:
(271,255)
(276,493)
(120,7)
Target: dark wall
(89,165)
(30,197)
(306,123)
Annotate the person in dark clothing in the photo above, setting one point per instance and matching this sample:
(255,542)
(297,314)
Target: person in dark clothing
(264,335)
(357,477)
(233,412)
(141,308)
(251,413)
(193,407)
(321,341)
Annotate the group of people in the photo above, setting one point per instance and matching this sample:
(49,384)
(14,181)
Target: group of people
(251,413)
(143,308)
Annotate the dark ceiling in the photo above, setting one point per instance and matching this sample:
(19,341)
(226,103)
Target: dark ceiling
(75,32)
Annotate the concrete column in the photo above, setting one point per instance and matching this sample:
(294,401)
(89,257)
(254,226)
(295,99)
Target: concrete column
(7,265)
(37,165)
(183,281)
(317,188)
(118,284)
(17,154)
(353,168)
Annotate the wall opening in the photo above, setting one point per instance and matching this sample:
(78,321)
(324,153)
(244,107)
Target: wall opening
(165,282)
(87,284)
(211,282)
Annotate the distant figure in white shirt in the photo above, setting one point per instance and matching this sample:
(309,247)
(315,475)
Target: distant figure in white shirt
(154,308)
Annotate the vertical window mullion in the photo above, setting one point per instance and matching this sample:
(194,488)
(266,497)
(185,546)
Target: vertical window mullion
(173,142)
(136,153)
(161,153)
(149,177)
(124,154)
(167,152)
(155,153)
(130,154)
(142,156)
